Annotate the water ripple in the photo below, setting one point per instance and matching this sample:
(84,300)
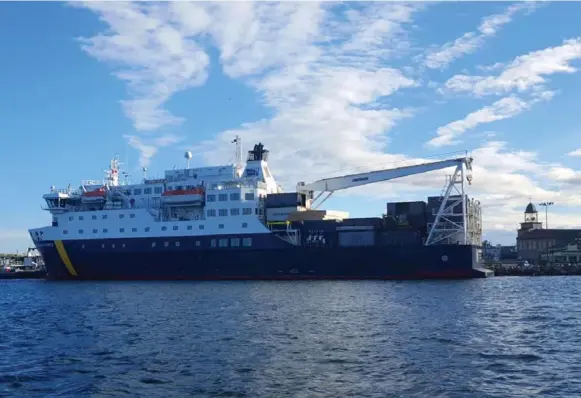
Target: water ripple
(500,337)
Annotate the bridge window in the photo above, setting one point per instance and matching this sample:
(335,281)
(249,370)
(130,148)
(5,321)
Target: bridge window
(247,211)
(247,242)
(235,212)
(212,213)
(147,191)
(223,212)
(235,242)
(211,198)
(235,196)
(137,191)
(157,190)
(249,196)
(223,197)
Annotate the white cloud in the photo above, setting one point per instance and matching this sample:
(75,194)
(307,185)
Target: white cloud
(149,147)
(576,152)
(325,71)
(504,108)
(526,72)
(471,41)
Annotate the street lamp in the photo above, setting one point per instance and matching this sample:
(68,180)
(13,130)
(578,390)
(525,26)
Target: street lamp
(546,205)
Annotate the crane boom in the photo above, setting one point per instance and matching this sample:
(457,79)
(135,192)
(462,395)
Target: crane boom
(354,180)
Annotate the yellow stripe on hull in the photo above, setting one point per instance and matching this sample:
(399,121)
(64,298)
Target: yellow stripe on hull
(65,257)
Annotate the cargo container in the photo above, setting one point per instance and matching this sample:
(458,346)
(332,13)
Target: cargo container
(289,199)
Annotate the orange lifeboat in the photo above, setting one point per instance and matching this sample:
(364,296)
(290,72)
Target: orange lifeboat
(96,195)
(189,196)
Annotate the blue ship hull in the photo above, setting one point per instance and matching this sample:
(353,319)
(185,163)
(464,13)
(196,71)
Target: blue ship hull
(269,258)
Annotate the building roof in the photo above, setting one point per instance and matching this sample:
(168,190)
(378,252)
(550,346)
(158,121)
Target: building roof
(561,236)
(531,209)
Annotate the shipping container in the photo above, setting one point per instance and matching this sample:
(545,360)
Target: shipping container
(289,199)
(397,208)
(357,238)
(281,213)
(371,221)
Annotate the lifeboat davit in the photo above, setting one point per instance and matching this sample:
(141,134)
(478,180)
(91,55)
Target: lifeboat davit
(94,196)
(192,196)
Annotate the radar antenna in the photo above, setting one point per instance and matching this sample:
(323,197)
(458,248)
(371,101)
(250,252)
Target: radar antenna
(238,164)
(188,157)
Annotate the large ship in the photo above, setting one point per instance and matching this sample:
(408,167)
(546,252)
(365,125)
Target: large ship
(235,222)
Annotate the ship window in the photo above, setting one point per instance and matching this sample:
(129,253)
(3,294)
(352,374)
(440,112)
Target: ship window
(244,225)
(152,244)
(157,190)
(235,196)
(146,229)
(105,230)
(121,229)
(235,212)
(103,246)
(65,232)
(223,212)
(113,245)
(82,246)
(133,229)
(201,226)
(137,191)
(147,191)
(256,210)
(104,216)
(175,227)
(166,244)
(221,226)
(213,243)
(177,244)
(163,228)
(235,242)
(247,242)
(223,243)
(80,231)
(223,197)
(246,211)
(189,227)
(198,243)
(95,231)
(94,217)
(211,198)
(132,215)
(179,188)
(249,196)
(123,245)
(212,213)
(121,215)
(71,218)
(81,218)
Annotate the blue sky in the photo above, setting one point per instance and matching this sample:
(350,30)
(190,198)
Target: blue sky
(326,87)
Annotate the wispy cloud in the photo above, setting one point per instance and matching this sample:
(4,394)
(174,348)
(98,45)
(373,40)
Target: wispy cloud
(470,42)
(148,147)
(504,108)
(526,72)
(576,152)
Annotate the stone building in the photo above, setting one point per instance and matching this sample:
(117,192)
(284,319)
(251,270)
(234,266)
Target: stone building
(534,242)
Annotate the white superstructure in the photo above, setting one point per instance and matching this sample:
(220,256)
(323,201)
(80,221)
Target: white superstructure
(221,200)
